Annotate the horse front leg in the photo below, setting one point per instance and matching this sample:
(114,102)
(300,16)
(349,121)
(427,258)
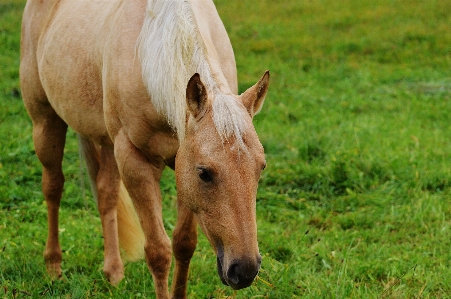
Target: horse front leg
(141,177)
(184,242)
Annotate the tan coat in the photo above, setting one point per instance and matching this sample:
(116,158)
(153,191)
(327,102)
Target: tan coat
(86,64)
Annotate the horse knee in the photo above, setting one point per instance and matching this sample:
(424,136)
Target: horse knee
(52,184)
(158,258)
(184,246)
(106,202)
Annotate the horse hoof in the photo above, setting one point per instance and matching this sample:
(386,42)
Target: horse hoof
(54,270)
(115,278)
(114,274)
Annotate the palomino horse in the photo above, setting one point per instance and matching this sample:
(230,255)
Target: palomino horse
(147,84)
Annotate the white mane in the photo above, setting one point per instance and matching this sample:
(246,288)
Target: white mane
(171,50)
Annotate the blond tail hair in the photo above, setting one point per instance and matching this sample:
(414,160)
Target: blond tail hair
(131,236)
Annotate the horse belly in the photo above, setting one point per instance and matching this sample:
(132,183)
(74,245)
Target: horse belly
(70,70)
(77,101)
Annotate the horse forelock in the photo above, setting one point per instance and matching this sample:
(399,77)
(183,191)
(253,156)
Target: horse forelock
(229,118)
(171,50)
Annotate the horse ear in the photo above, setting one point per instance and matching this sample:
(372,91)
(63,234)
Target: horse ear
(254,97)
(196,96)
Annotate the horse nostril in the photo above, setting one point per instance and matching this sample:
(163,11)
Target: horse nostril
(232,273)
(241,274)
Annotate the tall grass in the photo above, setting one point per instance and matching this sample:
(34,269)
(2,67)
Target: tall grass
(355,201)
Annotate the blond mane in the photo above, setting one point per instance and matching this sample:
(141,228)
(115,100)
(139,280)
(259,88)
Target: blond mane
(171,50)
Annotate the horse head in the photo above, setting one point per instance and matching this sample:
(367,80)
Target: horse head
(218,166)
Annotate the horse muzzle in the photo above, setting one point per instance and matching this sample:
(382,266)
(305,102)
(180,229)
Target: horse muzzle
(240,273)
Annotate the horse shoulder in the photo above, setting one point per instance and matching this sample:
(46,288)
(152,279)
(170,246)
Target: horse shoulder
(127,104)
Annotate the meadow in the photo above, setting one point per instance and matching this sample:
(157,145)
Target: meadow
(355,201)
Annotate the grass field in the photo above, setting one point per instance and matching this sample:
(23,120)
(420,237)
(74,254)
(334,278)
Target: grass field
(356,199)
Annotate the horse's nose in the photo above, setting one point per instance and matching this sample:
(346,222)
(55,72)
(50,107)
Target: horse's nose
(242,273)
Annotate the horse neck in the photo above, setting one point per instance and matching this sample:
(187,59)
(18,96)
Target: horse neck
(206,18)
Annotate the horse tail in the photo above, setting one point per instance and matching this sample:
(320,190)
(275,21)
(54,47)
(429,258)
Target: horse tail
(131,236)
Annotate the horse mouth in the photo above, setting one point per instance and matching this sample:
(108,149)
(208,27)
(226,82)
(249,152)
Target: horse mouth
(220,261)
(220,271)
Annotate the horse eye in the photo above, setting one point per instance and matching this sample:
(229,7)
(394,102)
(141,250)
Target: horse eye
(205,175)
(264,166)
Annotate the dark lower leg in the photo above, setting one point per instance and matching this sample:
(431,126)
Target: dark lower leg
(52,186)
(184,244)
(49,137)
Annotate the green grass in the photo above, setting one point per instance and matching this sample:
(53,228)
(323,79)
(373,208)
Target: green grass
(355,201)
